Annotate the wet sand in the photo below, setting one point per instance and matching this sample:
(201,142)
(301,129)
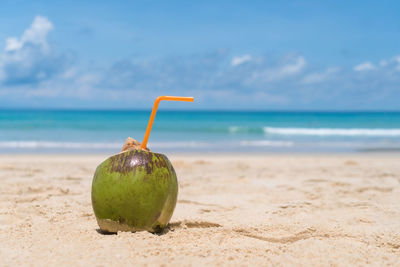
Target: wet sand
(279,210)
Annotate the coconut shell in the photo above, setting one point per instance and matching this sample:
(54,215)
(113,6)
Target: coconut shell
(134,190)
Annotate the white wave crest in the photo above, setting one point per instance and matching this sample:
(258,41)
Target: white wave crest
(259,143)
(237,129)
(48,144)
(332,131)
(187,144)
(82,145)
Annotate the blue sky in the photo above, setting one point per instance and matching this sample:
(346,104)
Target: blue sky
(313,55)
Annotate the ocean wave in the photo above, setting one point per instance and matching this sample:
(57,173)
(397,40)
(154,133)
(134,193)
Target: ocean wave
(237,129)
(153,145)
(64,145)
(83,145)
(188,144)
(332,131)
(245,129)
(261,143)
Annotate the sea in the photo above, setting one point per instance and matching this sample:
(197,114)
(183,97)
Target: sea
(104,131)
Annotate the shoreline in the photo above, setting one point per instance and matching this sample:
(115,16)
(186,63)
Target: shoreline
(219,153)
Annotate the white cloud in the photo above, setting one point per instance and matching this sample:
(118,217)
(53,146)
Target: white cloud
(365,66)
(236,61)
(294,67)
(36,34)
(390,64)
(383,63)
(69,73)
(397,59)
(291,67)
(13,44)
(89,79)
(28,59)
(318,77)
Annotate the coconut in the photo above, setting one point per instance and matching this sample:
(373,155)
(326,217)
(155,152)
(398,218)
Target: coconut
(134,190)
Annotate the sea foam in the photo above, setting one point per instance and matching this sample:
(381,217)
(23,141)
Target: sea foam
(332,131)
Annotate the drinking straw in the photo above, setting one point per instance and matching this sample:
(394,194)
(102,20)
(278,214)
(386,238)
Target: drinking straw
(154,111)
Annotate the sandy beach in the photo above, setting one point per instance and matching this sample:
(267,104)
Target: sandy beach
(239,209)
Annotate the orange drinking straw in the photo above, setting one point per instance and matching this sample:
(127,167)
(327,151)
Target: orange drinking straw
(154,111)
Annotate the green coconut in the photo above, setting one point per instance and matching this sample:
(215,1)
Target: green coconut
(134,190)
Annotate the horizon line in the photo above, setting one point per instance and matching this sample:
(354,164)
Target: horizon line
(203,110)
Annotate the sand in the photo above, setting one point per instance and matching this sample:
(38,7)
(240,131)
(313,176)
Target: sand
(280,210)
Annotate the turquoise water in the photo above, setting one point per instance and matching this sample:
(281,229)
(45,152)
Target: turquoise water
(24,131)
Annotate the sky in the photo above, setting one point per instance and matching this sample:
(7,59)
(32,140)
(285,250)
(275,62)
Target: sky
(245,55)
